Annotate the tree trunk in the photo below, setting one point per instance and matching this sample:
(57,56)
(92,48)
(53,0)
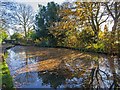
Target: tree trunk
(25,31)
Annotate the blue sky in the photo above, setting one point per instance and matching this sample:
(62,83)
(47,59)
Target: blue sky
(34,3)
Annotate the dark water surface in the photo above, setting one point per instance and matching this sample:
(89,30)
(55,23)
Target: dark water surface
(33,67)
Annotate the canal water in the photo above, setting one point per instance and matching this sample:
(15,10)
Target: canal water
(34,67)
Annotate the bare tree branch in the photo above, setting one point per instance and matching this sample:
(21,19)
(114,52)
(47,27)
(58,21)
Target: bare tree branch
(104,20)
(109,11)
(25,17)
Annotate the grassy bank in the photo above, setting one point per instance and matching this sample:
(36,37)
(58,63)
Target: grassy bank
(6,80)
(5,76)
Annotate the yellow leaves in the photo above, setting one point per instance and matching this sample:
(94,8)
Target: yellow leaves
(101,35)
(85,8)
(77,2)
(71,40)
(78,10)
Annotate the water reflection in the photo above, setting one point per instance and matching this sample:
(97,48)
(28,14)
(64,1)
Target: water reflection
(115,76)
(33,67)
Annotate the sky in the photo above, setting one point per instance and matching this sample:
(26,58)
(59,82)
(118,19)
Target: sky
(34,3)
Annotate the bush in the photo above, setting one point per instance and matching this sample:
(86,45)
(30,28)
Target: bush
(33,35)
(16,36)
(3,35)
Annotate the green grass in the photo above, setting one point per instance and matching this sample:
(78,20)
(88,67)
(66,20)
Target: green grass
(5,77)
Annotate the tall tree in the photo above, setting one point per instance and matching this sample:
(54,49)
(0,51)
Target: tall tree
(65,26)
(78,15)
(92,14)
(44,19)
(24,17)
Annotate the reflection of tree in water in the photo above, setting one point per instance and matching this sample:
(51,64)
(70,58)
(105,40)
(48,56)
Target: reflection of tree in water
(54,78)
(59,76)
(115,77)
(28,77)
(25,78)
(99,77)
(63,76)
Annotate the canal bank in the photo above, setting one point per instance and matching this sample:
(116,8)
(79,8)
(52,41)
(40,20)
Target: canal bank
(6,80)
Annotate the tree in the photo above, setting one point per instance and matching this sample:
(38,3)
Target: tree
(92,14)
(24,17)
(16,17)
(113,9)
(78,15)
(40,22)
(64,26)
(44,19)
